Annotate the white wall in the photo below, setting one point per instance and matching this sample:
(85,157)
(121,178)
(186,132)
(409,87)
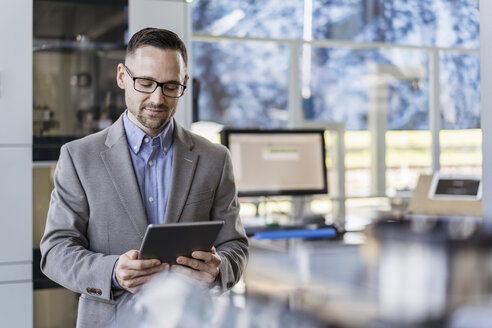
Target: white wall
(174,16)
(15,163)
(486,82)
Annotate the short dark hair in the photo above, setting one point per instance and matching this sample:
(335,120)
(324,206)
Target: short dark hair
(159,38)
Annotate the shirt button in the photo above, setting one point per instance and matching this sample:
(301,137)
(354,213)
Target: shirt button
(151,199)
(146,139)
(135,147)
(165,148)
(150,163)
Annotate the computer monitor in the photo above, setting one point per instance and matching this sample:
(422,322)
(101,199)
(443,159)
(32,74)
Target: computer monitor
(277,162)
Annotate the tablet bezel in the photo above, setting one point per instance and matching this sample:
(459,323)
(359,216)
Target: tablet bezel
(167,242)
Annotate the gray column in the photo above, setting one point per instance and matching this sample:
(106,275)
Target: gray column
(175,16)
(486,82)
(16,163)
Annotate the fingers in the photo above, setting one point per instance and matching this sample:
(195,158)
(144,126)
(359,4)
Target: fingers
(204,266)
(131,273)
(194,264)
(132,282)
(129,261)
(202,277)
(134,285)
(201,261)
(132,254)
(206,256)
(125,273)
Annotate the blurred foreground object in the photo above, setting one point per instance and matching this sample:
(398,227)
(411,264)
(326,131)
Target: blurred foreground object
(173,300)
(423,270)
(419,272)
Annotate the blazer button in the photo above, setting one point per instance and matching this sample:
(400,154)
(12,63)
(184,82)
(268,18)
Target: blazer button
(230,284)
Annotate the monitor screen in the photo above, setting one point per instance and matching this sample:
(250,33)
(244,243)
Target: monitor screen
(277,162)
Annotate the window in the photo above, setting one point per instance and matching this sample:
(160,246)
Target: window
(267,19)
(460,137)
(420,23)
(239,90)
(375,65)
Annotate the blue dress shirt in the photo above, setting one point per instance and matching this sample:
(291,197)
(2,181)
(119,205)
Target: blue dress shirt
(152,161)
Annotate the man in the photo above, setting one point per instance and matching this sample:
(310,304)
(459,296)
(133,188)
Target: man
(143,169)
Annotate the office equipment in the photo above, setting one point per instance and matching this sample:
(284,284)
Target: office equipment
(455,187)
(166,242)
(421,204)
(277,162)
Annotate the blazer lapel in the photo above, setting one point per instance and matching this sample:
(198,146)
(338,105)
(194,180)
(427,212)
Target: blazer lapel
(184,164)
(120,167)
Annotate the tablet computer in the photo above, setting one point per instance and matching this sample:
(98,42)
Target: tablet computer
(168,241)
(455,187)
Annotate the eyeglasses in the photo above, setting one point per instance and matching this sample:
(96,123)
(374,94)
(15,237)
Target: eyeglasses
(169,89)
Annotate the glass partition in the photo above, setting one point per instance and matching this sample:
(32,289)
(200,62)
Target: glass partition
(76,48)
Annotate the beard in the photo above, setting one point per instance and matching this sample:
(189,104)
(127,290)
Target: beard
(155,123)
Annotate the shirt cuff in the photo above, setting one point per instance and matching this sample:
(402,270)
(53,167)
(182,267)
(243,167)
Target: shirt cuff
(115,284)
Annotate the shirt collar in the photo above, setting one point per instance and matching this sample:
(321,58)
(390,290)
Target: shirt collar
(135,136)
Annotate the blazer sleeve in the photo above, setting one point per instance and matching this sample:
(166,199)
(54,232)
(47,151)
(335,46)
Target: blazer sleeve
(232,243)
(66,257)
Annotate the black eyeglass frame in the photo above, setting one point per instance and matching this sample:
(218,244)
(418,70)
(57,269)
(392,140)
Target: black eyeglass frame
(157,84)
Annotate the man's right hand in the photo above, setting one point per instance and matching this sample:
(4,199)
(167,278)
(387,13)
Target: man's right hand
(131,273)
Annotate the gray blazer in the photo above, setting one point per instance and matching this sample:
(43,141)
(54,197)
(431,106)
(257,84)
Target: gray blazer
(96,214)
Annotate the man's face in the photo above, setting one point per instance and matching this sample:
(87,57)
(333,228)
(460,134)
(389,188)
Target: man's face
(151,111)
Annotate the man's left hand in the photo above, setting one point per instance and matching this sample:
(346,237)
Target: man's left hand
(203,266)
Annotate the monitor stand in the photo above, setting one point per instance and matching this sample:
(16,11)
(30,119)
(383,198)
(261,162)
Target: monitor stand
(299,209)
(261,219)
